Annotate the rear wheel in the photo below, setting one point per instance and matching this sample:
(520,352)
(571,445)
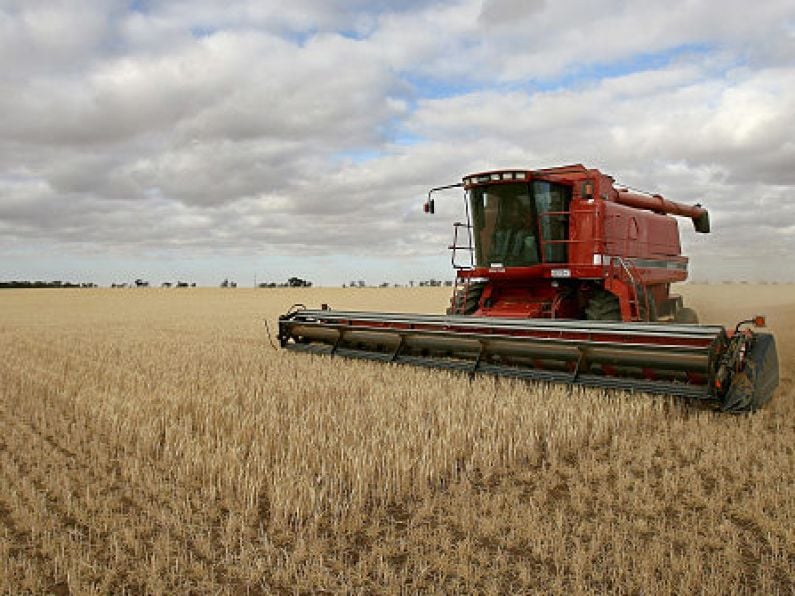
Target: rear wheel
(686,316)
(603,306)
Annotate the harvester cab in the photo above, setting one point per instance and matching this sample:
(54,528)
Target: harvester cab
(566,278)
(567,243)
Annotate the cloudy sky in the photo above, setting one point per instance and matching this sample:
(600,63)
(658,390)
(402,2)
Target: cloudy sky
(197,140)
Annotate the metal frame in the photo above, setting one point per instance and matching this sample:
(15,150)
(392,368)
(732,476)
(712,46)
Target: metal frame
(584,380)
(478,341)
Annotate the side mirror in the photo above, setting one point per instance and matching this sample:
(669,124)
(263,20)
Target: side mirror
(428,207)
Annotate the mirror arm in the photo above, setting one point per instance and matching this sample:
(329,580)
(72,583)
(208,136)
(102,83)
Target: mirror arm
(429,207)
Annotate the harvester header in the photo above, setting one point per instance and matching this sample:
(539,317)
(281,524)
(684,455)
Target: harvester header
(563,276)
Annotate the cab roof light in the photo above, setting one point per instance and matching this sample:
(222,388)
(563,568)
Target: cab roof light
(494,177)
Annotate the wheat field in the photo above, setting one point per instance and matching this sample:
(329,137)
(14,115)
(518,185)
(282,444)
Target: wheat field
(152,441)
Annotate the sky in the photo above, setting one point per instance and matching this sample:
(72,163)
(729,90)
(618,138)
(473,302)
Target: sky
(251,140)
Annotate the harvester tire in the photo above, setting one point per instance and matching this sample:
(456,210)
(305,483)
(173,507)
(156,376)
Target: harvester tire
(753,387)
(466,303)
(603,306)
(686,316)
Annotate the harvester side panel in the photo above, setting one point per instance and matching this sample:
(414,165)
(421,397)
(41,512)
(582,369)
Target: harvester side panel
(642,234)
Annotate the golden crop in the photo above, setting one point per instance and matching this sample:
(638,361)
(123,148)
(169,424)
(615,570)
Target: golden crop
(151,441)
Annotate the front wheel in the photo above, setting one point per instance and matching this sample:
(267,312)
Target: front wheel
(603,306)
(466,302)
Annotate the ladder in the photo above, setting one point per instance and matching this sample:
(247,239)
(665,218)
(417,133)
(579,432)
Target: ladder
(630,274)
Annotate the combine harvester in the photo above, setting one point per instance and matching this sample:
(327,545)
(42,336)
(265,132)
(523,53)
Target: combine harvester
(567,279)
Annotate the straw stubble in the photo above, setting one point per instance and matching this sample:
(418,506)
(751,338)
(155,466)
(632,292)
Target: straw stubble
(152,441)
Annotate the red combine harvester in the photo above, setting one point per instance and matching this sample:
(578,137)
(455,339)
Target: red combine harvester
(567,279)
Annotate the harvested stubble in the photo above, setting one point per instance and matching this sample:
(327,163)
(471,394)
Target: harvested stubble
(151,441)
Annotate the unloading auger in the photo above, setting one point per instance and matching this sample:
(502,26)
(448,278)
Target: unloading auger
(567,279)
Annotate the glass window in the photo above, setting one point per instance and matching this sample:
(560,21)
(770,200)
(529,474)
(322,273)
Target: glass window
(504,226)
(507,218)
(551,201)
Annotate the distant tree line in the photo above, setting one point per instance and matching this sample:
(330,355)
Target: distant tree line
(179,284)
(430,283)
(45,284)
(140,283)
(293,282)
(435,283)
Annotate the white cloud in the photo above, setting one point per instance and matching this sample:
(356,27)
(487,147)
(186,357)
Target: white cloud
(316,128)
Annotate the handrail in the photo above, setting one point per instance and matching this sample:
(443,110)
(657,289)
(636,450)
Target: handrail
(627,267)
(454,247)
(624,266)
